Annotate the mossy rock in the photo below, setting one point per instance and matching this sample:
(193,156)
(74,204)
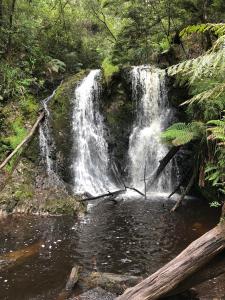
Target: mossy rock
(68,206)
(118,110)
(60,107)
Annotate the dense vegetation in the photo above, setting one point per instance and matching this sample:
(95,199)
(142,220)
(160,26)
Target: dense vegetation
(43,41)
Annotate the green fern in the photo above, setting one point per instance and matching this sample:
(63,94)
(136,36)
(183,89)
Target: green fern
(180,133)
(217,131)
(218,29)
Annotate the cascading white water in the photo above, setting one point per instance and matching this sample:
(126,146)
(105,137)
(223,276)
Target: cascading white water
(46,144)
(91,161)
(153,113)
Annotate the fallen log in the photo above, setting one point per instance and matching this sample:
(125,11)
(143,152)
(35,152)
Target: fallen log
(213,269)
(189,261)
(25,141)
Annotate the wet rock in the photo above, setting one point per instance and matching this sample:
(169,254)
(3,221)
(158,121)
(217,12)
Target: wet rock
(118,110)
(115,283)
(22,194)
(95,294)
(61,110)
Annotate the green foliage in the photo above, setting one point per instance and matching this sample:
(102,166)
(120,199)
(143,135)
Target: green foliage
(217,131)
(215,204)
(180,133)
(205,77)
(18,133)
(109,69)
(218,29)
(56,65)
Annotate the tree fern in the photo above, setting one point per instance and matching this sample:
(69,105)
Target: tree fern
(207,65)
(180,133)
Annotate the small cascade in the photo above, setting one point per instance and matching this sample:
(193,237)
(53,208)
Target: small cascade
(152,116)
(90,154)
(46,143)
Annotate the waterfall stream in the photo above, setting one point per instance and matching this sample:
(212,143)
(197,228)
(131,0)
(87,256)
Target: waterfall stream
(152,115)
(47,145)
(90,159)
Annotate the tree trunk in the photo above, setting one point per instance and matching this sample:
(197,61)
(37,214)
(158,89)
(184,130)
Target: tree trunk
(196,255)
(11,15)
(1,13)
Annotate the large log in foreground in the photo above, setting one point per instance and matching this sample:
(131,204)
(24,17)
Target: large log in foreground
(189,261)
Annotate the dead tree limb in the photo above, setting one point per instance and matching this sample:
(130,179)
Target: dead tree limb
(136,190)
(189,261)
(180,184)
(185,192)
(116,193)
(104,22)
(72,280)
(163,163)
(166,159)
(25,141)
(145,184)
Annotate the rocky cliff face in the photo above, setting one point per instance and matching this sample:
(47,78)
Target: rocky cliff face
(116,107)
(29,189)
(119,112)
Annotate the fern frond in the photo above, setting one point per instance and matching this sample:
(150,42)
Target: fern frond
(217,28)
(206,65)
(213,93)
(217,130)
(182,133)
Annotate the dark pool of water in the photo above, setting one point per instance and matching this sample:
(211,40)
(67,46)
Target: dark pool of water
(134,237)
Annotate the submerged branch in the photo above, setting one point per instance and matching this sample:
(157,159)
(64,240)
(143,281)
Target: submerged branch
(185,192)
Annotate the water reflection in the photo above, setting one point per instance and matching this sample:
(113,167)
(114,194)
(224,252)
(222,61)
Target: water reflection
(134,237)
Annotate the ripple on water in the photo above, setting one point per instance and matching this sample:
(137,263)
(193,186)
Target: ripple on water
(135,237)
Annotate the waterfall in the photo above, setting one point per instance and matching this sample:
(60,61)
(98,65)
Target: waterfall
(90,153)
(46,144)
(152,115)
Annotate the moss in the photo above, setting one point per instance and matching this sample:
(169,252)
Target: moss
(29,107)
(60,107)
(118,111)
(23,193)
(62,97)
(16,120)
(109,69)
(68,206)
(19,132)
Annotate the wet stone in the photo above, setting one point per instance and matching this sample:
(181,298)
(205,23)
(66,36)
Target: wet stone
(96,294)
